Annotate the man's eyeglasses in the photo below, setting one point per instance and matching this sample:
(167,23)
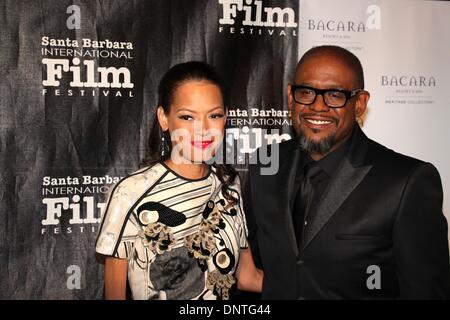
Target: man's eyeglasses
(333,98)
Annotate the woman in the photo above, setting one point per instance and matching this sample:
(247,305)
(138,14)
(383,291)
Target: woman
(176,227)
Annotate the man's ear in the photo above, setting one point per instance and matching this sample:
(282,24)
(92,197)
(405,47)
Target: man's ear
(162,118)
(289,96)
(361,103)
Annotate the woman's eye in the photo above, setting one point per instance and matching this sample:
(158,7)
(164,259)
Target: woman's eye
(217,116)
(185,117)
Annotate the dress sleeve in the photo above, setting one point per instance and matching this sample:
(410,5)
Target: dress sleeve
(119,227)
(243,231)
(115,237)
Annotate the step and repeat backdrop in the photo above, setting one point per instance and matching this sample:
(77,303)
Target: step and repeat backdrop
(79,91)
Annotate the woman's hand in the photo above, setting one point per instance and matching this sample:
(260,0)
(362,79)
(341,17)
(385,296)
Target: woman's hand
(249,278)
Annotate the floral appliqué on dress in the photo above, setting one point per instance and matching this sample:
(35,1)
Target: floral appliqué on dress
(200,245)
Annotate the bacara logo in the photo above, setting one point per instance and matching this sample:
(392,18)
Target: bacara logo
(255,15)
(408,81)
(373,22)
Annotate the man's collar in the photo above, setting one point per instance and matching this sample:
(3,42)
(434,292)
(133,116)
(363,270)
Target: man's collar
(358,147)
(331,161)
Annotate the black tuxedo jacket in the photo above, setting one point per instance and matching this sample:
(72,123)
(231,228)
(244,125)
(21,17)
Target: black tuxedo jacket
(379,230)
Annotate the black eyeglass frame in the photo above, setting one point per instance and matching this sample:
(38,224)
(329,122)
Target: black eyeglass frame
(347,93)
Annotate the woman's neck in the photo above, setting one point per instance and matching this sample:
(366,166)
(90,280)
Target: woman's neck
(188,170)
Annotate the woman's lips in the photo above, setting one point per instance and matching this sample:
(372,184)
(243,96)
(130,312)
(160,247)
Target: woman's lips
(202,144)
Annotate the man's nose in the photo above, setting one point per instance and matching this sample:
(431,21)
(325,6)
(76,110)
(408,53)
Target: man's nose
(319,104)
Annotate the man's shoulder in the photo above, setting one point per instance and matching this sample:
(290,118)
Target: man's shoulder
(395,162)
(383,153)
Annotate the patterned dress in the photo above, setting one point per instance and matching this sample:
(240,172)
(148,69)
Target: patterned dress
(181,237)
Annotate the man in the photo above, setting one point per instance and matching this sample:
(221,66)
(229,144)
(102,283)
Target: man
(345,217)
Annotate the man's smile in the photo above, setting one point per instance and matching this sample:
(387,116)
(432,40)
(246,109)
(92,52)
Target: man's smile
(317,122)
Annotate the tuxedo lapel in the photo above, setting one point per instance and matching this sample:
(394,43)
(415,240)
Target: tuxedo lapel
(289,162)
(351,172)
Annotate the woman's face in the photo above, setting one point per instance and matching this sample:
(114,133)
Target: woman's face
(196,121)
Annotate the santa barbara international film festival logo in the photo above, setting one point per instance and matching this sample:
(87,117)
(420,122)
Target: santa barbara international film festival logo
(251,17)
(74,60)
(251,130)
(71,66)
(73,205)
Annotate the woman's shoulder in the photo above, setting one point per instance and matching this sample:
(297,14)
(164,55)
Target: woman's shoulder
(143,177)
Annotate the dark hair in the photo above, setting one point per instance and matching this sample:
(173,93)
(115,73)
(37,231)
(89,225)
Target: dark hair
(172,79)
(344,55)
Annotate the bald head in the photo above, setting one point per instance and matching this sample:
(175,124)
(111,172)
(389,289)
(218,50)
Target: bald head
(341,54)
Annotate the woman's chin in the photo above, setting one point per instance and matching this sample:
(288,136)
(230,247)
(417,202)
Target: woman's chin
(202,158)
(199,155)
(194,158)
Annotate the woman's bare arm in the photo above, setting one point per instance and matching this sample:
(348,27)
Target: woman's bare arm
(249,278)
(115,278)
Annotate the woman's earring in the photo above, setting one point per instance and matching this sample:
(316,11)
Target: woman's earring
(164,146)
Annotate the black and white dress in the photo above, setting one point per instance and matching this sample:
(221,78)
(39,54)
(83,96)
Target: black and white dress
(181,236)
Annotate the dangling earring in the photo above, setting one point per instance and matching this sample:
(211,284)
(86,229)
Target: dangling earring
(164,146)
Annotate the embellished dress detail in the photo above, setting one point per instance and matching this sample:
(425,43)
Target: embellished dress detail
(181,237)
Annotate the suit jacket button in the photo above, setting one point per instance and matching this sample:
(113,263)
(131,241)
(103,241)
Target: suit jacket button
(300,263)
